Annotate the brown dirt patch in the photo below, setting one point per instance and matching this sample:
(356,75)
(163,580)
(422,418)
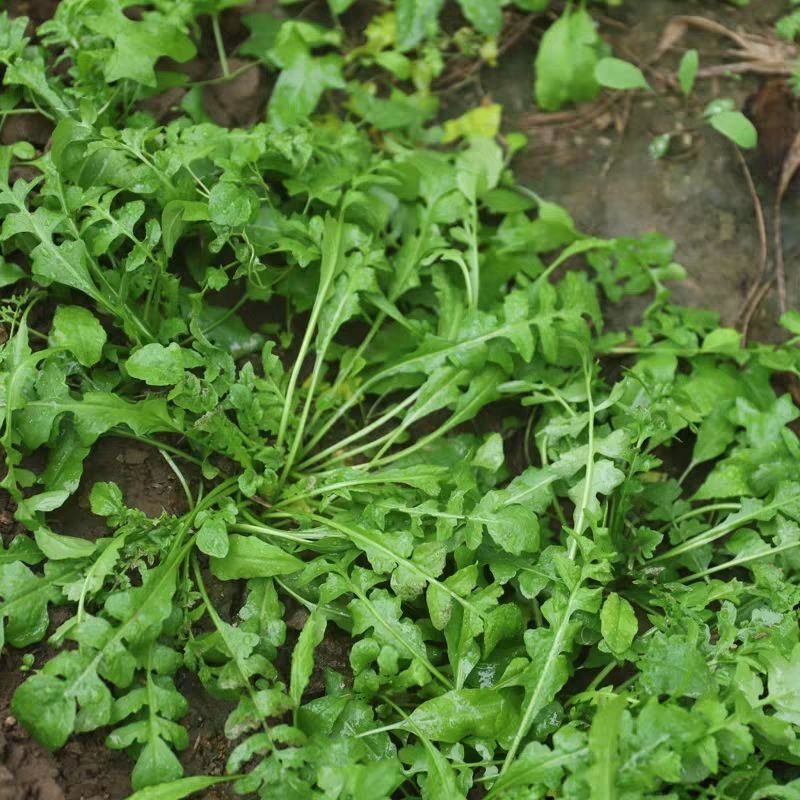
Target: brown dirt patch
(84,769)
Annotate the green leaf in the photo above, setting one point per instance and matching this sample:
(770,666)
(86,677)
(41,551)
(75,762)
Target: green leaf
(21,549)
(47,712)
(722,340)
(174,217)
(9,273)
(483,121)
(65,263)
(784,686)
(416,20)
(249,557)
(718,105)
(791,321)
(442,780)
(264,28)
(659,146)
(340,6)
(485,15)
(156,764)
(303,655)
(25,597)
(32,74)
(460,713)
(300,86)
(673,665)
(714,435)
(381,613)
(539,767)
(57,546)
(605,477)
(618,623)
(614,73)
(177,790)
(566,60)
(156,365)
(490,454)
(736,127)
(149,715)
(230,204)
(604,737)
(138,45)
(80,332)
(212,537)
(513,527)
(687,71)
(105,499)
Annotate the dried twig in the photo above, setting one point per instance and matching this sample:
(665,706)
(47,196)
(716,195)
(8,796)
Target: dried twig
(571,119)
(759,212)
(626,116)
(752,304)
(761,286)
(677,27)
(791,163)
(754,54)
(745,67)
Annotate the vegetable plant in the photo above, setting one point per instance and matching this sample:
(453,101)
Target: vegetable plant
(562,557)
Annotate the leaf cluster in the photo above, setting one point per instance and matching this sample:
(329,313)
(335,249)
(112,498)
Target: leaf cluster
(561,558)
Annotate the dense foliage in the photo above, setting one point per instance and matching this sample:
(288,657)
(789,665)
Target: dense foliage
(564,558)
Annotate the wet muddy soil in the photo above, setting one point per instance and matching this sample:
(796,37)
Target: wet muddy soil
(595,163)
(599,167)
(85,769)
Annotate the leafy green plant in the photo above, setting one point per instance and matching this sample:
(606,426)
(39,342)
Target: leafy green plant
(720,114)
(562,558)
(566,60)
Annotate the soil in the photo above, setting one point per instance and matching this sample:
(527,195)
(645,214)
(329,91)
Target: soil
(598,165)
(85,769)
(595,163)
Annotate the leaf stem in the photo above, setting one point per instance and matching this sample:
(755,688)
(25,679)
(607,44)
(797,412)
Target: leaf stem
(223,58)
(276,533)
(725,527)
(736,562)
(331,245)
(365,542)
(697,512)
(343,455)
(543,682)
